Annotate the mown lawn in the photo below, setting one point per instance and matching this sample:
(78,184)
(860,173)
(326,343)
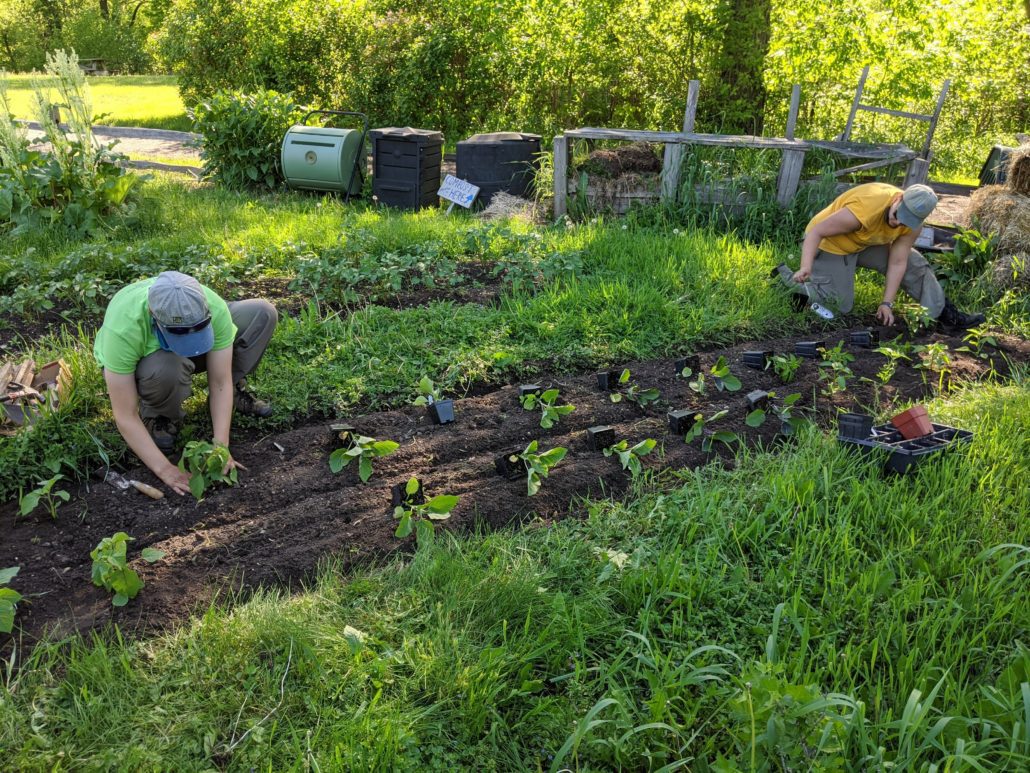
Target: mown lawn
(118,100)
(797,612)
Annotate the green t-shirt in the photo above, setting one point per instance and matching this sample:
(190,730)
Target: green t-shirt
(127,335)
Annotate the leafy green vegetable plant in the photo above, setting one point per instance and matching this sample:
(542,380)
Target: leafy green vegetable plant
(205,462)
(976,339)
(934,358)
(111,570)
(783,410)
(633,393)
(427,392)
(362,448)
(896,351)
(786,366)
(710,437)
(549,412)
(721,376)
(834,369)
(421,516)
(539,466)
(630,456)
(45,493)
(9,599)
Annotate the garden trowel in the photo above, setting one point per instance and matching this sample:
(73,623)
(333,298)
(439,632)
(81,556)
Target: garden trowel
(120,482)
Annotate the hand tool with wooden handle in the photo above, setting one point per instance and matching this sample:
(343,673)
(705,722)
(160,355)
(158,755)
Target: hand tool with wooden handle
(122,483)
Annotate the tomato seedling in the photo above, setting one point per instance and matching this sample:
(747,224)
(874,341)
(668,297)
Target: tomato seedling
(111,569)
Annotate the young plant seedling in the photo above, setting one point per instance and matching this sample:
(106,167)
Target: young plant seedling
(896,351)
(975,340)
(362,448)
(550,413)
(786,366)
(111,570)
(721,376)
(9,599)
(834,369)
(783,410)
(419,516)
(440,411)
(205,463)
(538,466)
(600,437)
(936,359)
(630,456)
(45,493)
(710,437)
(633,393)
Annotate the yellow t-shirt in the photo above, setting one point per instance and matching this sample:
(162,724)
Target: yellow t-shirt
(869,204)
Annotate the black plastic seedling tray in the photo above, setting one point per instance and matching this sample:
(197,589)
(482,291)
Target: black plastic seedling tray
(905,455)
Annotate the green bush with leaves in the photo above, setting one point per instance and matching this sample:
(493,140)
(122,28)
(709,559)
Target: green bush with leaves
(362,448)
(77,184)
(205,463)
(9,599)
(243,134)
(111,569)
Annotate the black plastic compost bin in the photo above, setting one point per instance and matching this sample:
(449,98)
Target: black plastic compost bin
(406,166)
(504,161)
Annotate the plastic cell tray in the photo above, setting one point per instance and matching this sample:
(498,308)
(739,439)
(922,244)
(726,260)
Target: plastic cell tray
(904,455)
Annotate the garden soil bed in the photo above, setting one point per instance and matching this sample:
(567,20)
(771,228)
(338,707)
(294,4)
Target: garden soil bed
(288,512)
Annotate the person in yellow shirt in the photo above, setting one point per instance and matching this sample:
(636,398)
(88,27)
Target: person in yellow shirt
(872,226)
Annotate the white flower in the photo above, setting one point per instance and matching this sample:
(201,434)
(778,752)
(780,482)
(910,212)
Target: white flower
(624,227)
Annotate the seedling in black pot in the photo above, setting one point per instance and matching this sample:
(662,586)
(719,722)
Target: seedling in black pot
(633,393)
(509,465)
(529,389)
(600,437)
(407,493)
(418,516)
(681,421)
(440,411)
(758,360)
(688,366)
(630,456)
(809,349)
(607,380)
(865,339)
(757,399)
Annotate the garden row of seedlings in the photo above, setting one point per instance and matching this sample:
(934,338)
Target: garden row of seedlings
(909,438)
(415,512)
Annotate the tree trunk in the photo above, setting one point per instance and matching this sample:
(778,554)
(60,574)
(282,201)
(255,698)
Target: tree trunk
(105,10)
(745,44)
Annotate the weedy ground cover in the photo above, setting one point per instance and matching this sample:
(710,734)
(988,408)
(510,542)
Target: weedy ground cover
(798,601)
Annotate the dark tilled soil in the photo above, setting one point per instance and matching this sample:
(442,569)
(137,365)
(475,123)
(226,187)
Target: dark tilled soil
(289,511)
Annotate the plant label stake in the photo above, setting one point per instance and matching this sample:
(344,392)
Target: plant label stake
(758,359)
(458,192)
(600,437)
(809,349)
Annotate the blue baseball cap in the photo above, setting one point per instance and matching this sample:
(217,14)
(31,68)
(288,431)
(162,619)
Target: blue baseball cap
(180,311)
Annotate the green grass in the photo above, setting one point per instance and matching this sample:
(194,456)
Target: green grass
(120,100)
(798,611)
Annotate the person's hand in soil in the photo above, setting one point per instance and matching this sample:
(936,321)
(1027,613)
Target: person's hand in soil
(885,315)
(177,480)
(232,464)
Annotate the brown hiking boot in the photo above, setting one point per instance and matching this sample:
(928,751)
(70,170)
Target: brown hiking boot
(247,405)
(163,432)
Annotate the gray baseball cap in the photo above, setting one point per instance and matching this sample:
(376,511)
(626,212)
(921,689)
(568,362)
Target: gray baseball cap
(917,202)
(180,311)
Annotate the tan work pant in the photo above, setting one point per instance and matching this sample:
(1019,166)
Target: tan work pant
(833,279)
(164,379)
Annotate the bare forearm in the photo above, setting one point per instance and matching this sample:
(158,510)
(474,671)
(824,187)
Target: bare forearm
(142,444)
(220,394)
(809,250)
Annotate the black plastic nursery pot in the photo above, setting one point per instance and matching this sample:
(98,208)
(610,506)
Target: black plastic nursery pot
(903,456)
(399,495)
(865,339)
(441,411)
(857,426)
(809,349)
(529,389)
(680,421)
(600,437)
(757,399)
(507,468)
(608,380)
(693,362)
(337,430)
(758,359)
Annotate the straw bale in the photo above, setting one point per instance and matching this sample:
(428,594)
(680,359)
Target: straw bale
(996,209)
(504,205)
(1011,271)
(1018,175)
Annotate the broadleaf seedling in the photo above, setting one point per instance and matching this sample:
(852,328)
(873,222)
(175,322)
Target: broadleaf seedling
(111,569)
(428,393)
(550,413)
(538,465)
(723,379)
(43,493)
(9,599)
(420,516)
(205,463)
(630,456)
(834,370)
(709,437)
(786,366)
(633,393)
(362,448)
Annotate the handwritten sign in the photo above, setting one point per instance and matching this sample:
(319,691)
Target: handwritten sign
(460,192)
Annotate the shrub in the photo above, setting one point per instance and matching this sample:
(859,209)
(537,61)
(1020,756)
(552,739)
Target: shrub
(242,136)
(77,184)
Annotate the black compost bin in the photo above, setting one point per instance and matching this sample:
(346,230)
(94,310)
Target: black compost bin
(504,161)
(406,166)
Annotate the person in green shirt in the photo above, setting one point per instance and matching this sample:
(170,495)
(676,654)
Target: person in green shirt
(156,334)
(872,226)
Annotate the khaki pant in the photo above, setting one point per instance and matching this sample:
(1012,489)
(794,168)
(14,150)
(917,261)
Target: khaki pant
(833,279)
(164,379)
